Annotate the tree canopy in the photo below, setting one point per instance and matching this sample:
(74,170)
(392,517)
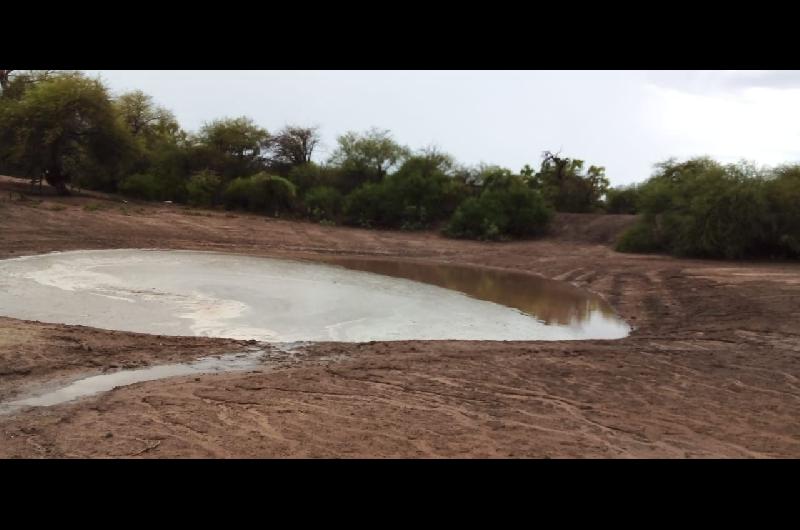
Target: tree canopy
(67,128)
(64,129)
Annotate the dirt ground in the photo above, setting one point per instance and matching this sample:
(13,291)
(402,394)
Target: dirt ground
(711,370)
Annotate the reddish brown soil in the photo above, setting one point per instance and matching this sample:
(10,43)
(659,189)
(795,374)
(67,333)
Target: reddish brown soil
(712,370)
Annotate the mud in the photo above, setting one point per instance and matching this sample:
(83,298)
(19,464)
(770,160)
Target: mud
(712,368)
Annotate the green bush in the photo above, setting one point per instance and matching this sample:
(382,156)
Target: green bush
(367,206)
(418,195)
(783,197)
(638,238)
(622,200)
(701,208)
(203,189)
(311,175)
(260,193)
(151,187)
(139,186)
(323,203)
(515,211)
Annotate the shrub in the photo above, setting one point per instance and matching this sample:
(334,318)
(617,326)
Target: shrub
(418,195)
(203,188)
(638,238)
(783,197)
(515,211)
(311,175)
(260,193)
(323,203)
(622,200)
(139,186)
(368,206)
(701,208)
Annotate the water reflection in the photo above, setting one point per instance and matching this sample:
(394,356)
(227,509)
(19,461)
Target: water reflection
(550,301)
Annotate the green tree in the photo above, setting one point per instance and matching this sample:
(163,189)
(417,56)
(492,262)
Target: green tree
(231,147)
(145,119)
(782,191)
(162,152)
(323,203)
(204,188)
(703,208)
(260,193)
(510,210)
(15,83)
(65,127)
(293,146)
(366,157)
(417,195)
(622,200)
(307,176)
(564,184)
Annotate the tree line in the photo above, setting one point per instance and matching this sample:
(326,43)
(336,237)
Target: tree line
(69,130)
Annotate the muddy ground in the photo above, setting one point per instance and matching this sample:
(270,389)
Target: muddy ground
(712,369)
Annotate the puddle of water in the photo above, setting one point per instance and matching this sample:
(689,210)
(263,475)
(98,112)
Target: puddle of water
(551,301)
(102,383)
(276,300)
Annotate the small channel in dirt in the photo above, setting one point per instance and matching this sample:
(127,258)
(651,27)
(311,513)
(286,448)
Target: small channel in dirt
(96,384)
(256,357)
(278,300)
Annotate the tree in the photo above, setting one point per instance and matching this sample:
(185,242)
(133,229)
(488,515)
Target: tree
(293,146)
(61,127)
(260,193)
(143,117)
(418,194)
(563,183)
(14,86)
(507,209)
(622,200)
(368,156)
(706,209)
(232,147)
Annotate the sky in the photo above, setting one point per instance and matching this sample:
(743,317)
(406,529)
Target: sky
(625,121)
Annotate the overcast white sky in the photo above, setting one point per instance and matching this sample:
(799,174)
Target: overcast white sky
(623,120)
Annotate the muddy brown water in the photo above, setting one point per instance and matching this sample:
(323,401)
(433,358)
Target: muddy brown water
(278,300)
(553,302)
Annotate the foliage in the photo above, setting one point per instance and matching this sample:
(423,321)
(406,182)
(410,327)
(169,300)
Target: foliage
(260,193)
(702,208)
(323,203)
(565,185)
(419,194)
(293,146)
(231,147)
(512,210)
(622,200)
(203,188)
(366,157)
(64,127)
(310,175)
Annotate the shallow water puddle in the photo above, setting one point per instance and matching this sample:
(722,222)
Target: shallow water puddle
(102,383)
(277,300)
(551,301)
